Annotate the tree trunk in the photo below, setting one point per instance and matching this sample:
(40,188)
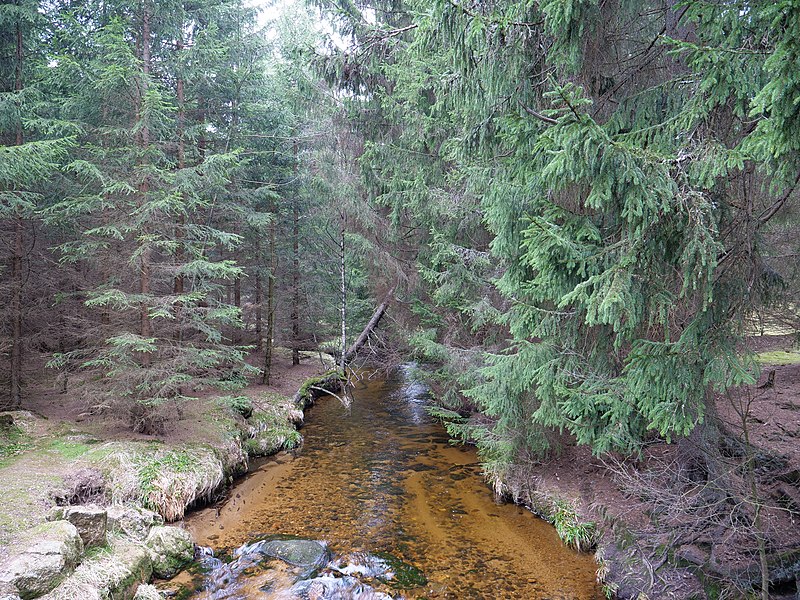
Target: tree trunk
(273,259)
(237,302)
(295,316)
(257,302)
(16,258)
(144,278)
(343,290)
(16,316)
(178,284)
(373,323)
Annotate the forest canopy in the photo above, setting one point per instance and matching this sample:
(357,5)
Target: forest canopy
(583,207)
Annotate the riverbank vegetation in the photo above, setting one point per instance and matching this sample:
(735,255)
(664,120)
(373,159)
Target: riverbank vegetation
(580,217)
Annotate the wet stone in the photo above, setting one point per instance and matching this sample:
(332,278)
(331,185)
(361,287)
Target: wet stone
(335,588)
(299,553)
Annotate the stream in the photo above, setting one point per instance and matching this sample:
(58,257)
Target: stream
(383,488)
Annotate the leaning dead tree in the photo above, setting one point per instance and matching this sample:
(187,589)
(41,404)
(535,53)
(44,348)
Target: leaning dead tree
(351,352)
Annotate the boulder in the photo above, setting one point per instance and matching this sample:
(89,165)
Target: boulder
(170,549)
(327,587)
(8,592)
(55,552)
(112,574)
(299,553)
(133,522)
(90,521)
(148,592)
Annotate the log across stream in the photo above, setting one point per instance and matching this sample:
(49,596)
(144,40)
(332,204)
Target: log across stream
(383,477)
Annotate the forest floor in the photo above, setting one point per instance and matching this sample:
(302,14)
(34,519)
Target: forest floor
(59,446)
(649,509)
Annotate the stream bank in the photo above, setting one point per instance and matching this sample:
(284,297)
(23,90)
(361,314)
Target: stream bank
(383,479)
(50,458)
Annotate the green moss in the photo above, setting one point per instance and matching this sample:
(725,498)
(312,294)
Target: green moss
(13,441)
(272,440)
(319,381)
(406,576)
(69,449)
(778,357)
(242,405)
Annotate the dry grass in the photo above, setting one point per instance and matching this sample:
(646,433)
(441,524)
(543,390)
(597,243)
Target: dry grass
(166,480)
(107,574)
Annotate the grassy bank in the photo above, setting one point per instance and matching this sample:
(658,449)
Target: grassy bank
(43,463)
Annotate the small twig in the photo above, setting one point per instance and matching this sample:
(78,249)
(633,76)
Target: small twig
(538,115)
(345,402)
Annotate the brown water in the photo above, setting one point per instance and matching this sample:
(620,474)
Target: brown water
(384,477)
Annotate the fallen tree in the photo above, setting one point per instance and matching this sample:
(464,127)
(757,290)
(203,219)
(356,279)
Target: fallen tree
(351,352)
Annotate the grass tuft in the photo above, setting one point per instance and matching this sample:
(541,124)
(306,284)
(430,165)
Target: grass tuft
(166,481)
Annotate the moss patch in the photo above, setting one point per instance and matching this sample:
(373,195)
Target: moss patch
(328,380)
(13,441)
(778,357)
(406,576)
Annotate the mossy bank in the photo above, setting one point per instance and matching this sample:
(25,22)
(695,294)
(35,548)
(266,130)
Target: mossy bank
(56,464)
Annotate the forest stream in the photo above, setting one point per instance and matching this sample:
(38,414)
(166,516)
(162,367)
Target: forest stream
(381,486)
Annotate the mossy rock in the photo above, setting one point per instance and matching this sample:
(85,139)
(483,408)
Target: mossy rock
(111,574)
(91,521)
(170,549)
(132,521)
(54,551)
(405,576)
(330,380)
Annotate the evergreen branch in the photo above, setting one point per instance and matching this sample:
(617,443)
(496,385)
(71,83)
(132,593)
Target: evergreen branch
(768,213)
(538,115)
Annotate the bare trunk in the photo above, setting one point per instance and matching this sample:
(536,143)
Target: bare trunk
(144,277)
(296,274)
(343,281)
(16,316)
(16,262)
(373,323)
(273,259)
(178,284)
(257,302)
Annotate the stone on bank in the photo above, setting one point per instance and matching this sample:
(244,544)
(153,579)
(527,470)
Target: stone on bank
(91,521)
(170,549)
(54,554)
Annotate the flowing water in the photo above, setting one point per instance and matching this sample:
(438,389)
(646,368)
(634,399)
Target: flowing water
(383,477)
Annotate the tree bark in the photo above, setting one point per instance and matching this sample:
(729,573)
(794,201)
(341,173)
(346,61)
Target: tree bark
(295,316)
(273,259)
(16,316)
(179,281)
(17,253)
(343,290)
(373,323)
(144,278)
(258,299)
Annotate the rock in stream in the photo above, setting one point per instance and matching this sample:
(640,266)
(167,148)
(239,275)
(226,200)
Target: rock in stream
(297,569)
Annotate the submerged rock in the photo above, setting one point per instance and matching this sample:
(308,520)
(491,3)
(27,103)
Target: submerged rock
(328,587)
(90,521)
(307,554)
(56,551)
(170,549)
(133,522)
